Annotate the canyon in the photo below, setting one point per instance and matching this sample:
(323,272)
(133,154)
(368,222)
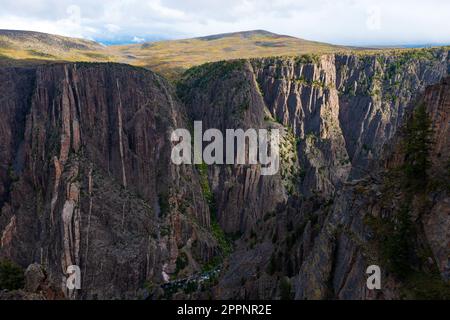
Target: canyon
(86,178)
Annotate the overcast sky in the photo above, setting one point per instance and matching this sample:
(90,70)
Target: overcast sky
(350,22)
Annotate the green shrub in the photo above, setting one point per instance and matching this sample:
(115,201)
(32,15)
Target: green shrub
(398,245)
(422,286)
(11,276)
(224,243)
(164,206)
(191,287)
(182,262)
(286,289)
(272,267)
(417,148)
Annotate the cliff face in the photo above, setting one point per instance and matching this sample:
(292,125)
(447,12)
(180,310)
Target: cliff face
(346,107)
(225,96)
(436,219)
(87,179)
(308,229)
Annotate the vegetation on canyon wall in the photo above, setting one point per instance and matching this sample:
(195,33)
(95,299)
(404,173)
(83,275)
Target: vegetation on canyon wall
(400,235)
(168,232)
(11,275)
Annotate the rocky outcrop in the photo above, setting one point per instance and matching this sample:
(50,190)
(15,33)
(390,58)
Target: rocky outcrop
(436,222)
(225,96)
(87,179)
(349,105)
(344,112)
(37,287)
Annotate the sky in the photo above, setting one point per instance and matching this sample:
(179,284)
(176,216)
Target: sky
(347,22)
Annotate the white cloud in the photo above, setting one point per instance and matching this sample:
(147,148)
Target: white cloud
(138,40)
(345,21)
(112,27)
(163,11)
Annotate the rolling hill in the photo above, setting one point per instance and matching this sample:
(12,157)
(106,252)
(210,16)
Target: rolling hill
(37,45)
(172,57)
(169,58)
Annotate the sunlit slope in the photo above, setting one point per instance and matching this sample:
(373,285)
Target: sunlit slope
(172,57)
(41,46)
(169,58)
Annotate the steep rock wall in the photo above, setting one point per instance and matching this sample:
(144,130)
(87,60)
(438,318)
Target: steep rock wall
(87,178)
(343,112)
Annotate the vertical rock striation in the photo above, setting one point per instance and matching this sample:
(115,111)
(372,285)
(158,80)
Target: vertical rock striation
(87,179)
(86,176)
(344,113)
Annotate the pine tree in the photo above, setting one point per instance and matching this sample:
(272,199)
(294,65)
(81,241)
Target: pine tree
(398,244)
(417,147)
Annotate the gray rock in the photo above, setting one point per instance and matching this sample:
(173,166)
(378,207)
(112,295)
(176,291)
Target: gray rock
(34,278)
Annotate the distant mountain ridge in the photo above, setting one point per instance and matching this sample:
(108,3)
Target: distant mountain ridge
(169,57)
(49,39)
(32,45)
(243,34)
(174,56)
